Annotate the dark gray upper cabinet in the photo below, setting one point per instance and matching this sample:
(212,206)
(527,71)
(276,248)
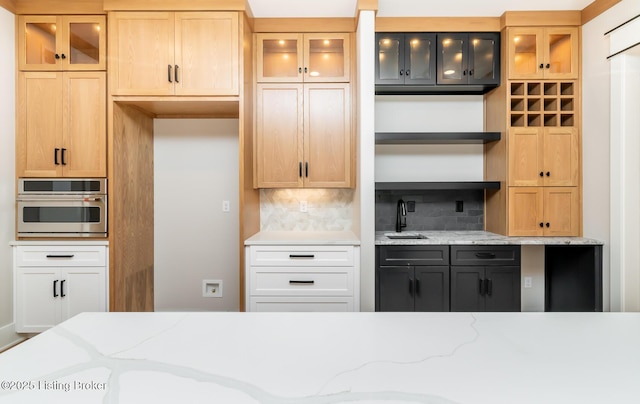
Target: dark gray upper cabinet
(469,59)
(435,63)
(405,58)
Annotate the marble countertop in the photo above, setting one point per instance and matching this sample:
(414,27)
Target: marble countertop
(59,242)
(329,358)
(303,238)
(477,238)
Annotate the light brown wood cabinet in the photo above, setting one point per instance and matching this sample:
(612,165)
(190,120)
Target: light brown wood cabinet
(303,134)
(174,53)
(542,53)
(305,58)
(54,43)
(61,127)
(543,156)
(544,211)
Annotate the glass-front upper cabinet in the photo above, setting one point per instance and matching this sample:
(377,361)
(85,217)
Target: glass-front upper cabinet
(405,58)
(303,58)
(62,43)
(469,58)
(543,53)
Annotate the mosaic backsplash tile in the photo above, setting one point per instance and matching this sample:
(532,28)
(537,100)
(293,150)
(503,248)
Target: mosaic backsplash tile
(327,209)
(434,210)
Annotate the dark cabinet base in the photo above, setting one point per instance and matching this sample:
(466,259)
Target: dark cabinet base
(573,278)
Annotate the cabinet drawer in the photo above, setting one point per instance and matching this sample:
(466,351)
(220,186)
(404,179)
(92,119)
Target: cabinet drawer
(413,255)
(301,256)
(309,282)
(58,256)
(485,255)
(289,304)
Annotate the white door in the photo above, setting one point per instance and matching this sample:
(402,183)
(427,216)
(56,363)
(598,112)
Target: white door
(37,299)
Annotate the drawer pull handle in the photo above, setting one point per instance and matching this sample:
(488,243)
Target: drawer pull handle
(302,256)
(60,256)
(301,282)
(485,255)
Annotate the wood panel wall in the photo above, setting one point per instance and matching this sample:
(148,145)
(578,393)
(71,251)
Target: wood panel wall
(131,210)
(249,197)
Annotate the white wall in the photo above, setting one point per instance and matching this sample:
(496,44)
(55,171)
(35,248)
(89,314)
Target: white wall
(596,118)
(195,169)
(431,162)
(7,173)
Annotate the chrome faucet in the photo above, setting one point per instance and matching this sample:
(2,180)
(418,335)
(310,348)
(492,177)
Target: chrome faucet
(401,216)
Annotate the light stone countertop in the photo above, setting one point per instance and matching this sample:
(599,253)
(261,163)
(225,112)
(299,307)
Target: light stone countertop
(58,242)
(303,238)
(477,238)
(237,358)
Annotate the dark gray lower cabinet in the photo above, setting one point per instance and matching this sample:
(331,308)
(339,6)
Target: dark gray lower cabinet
(485,278)
(419,278)
(412,278)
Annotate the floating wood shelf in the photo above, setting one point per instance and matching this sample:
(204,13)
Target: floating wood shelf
(435,137)
(426,186)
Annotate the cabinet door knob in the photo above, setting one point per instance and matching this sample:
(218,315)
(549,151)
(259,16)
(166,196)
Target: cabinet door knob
(547,224)
(471,72)
(408,72)
(299,69)
(305,70)
(541,224)
(57,56)
(548,66)
(464,72)
(401,72)
(548,174)
(541,174)
(64,56)
(542,65)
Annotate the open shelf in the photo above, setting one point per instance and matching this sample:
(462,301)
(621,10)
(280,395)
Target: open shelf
(435,137)
(425,186)
(542,103)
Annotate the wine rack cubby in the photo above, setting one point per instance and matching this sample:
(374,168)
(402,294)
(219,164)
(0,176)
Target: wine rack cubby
(542,103)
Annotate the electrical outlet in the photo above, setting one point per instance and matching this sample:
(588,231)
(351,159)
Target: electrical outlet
(211,288)
(459,206)
(304,206)
(411,206)
(527,282)
(226,207)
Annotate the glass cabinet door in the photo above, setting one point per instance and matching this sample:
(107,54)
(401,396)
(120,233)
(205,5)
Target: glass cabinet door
(85,43)
(561,53)
(484,59)
(326,58)
(525,53)
(53,43)
(452,59)
(279,58)
(390,58)
(420,58)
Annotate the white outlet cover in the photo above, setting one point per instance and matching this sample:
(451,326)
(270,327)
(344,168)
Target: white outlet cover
(211,288)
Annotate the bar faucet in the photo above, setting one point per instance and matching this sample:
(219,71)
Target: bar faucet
(401,216)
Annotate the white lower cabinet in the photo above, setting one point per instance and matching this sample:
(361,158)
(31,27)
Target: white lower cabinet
(54,283)
(302,278)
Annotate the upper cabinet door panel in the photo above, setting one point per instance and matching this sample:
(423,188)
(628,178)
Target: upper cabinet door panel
(524,53)
(141,53)
(543,53)
(57,43)
(419,58)
(326,58)
(452,59)
(279,58)
(390,58)
(561,53)
(484,58)
(206,53)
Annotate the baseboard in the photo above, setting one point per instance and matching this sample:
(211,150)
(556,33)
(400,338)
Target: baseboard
(8,337)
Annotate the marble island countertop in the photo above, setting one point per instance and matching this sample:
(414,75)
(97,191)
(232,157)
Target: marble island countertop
(476,238)
(303,358)
(303,238)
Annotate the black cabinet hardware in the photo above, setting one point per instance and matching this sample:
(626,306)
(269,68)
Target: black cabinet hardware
(177,78)
(481,287)
(300,169)
(302,256)
(548,174)
(485,255)
(548,66)
(293,282)
(489,286)
(542,65)
(299,69)
(60,255)
(411,286)
(169,73)
(57,56)
(55,156)
(305,70)
(547,224)
(541,224)
(54,288)
(401,72)
(62,289)
(417,287)
(306,169)
(62,156)
(541,174)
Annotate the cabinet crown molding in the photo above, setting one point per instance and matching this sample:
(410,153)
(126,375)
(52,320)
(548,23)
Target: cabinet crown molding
(540,18)
(175,5)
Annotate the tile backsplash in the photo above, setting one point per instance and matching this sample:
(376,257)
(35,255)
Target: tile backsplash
(327,209)
(434,210)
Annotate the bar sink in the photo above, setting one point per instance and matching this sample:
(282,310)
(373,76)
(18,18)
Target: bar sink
(405,236)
